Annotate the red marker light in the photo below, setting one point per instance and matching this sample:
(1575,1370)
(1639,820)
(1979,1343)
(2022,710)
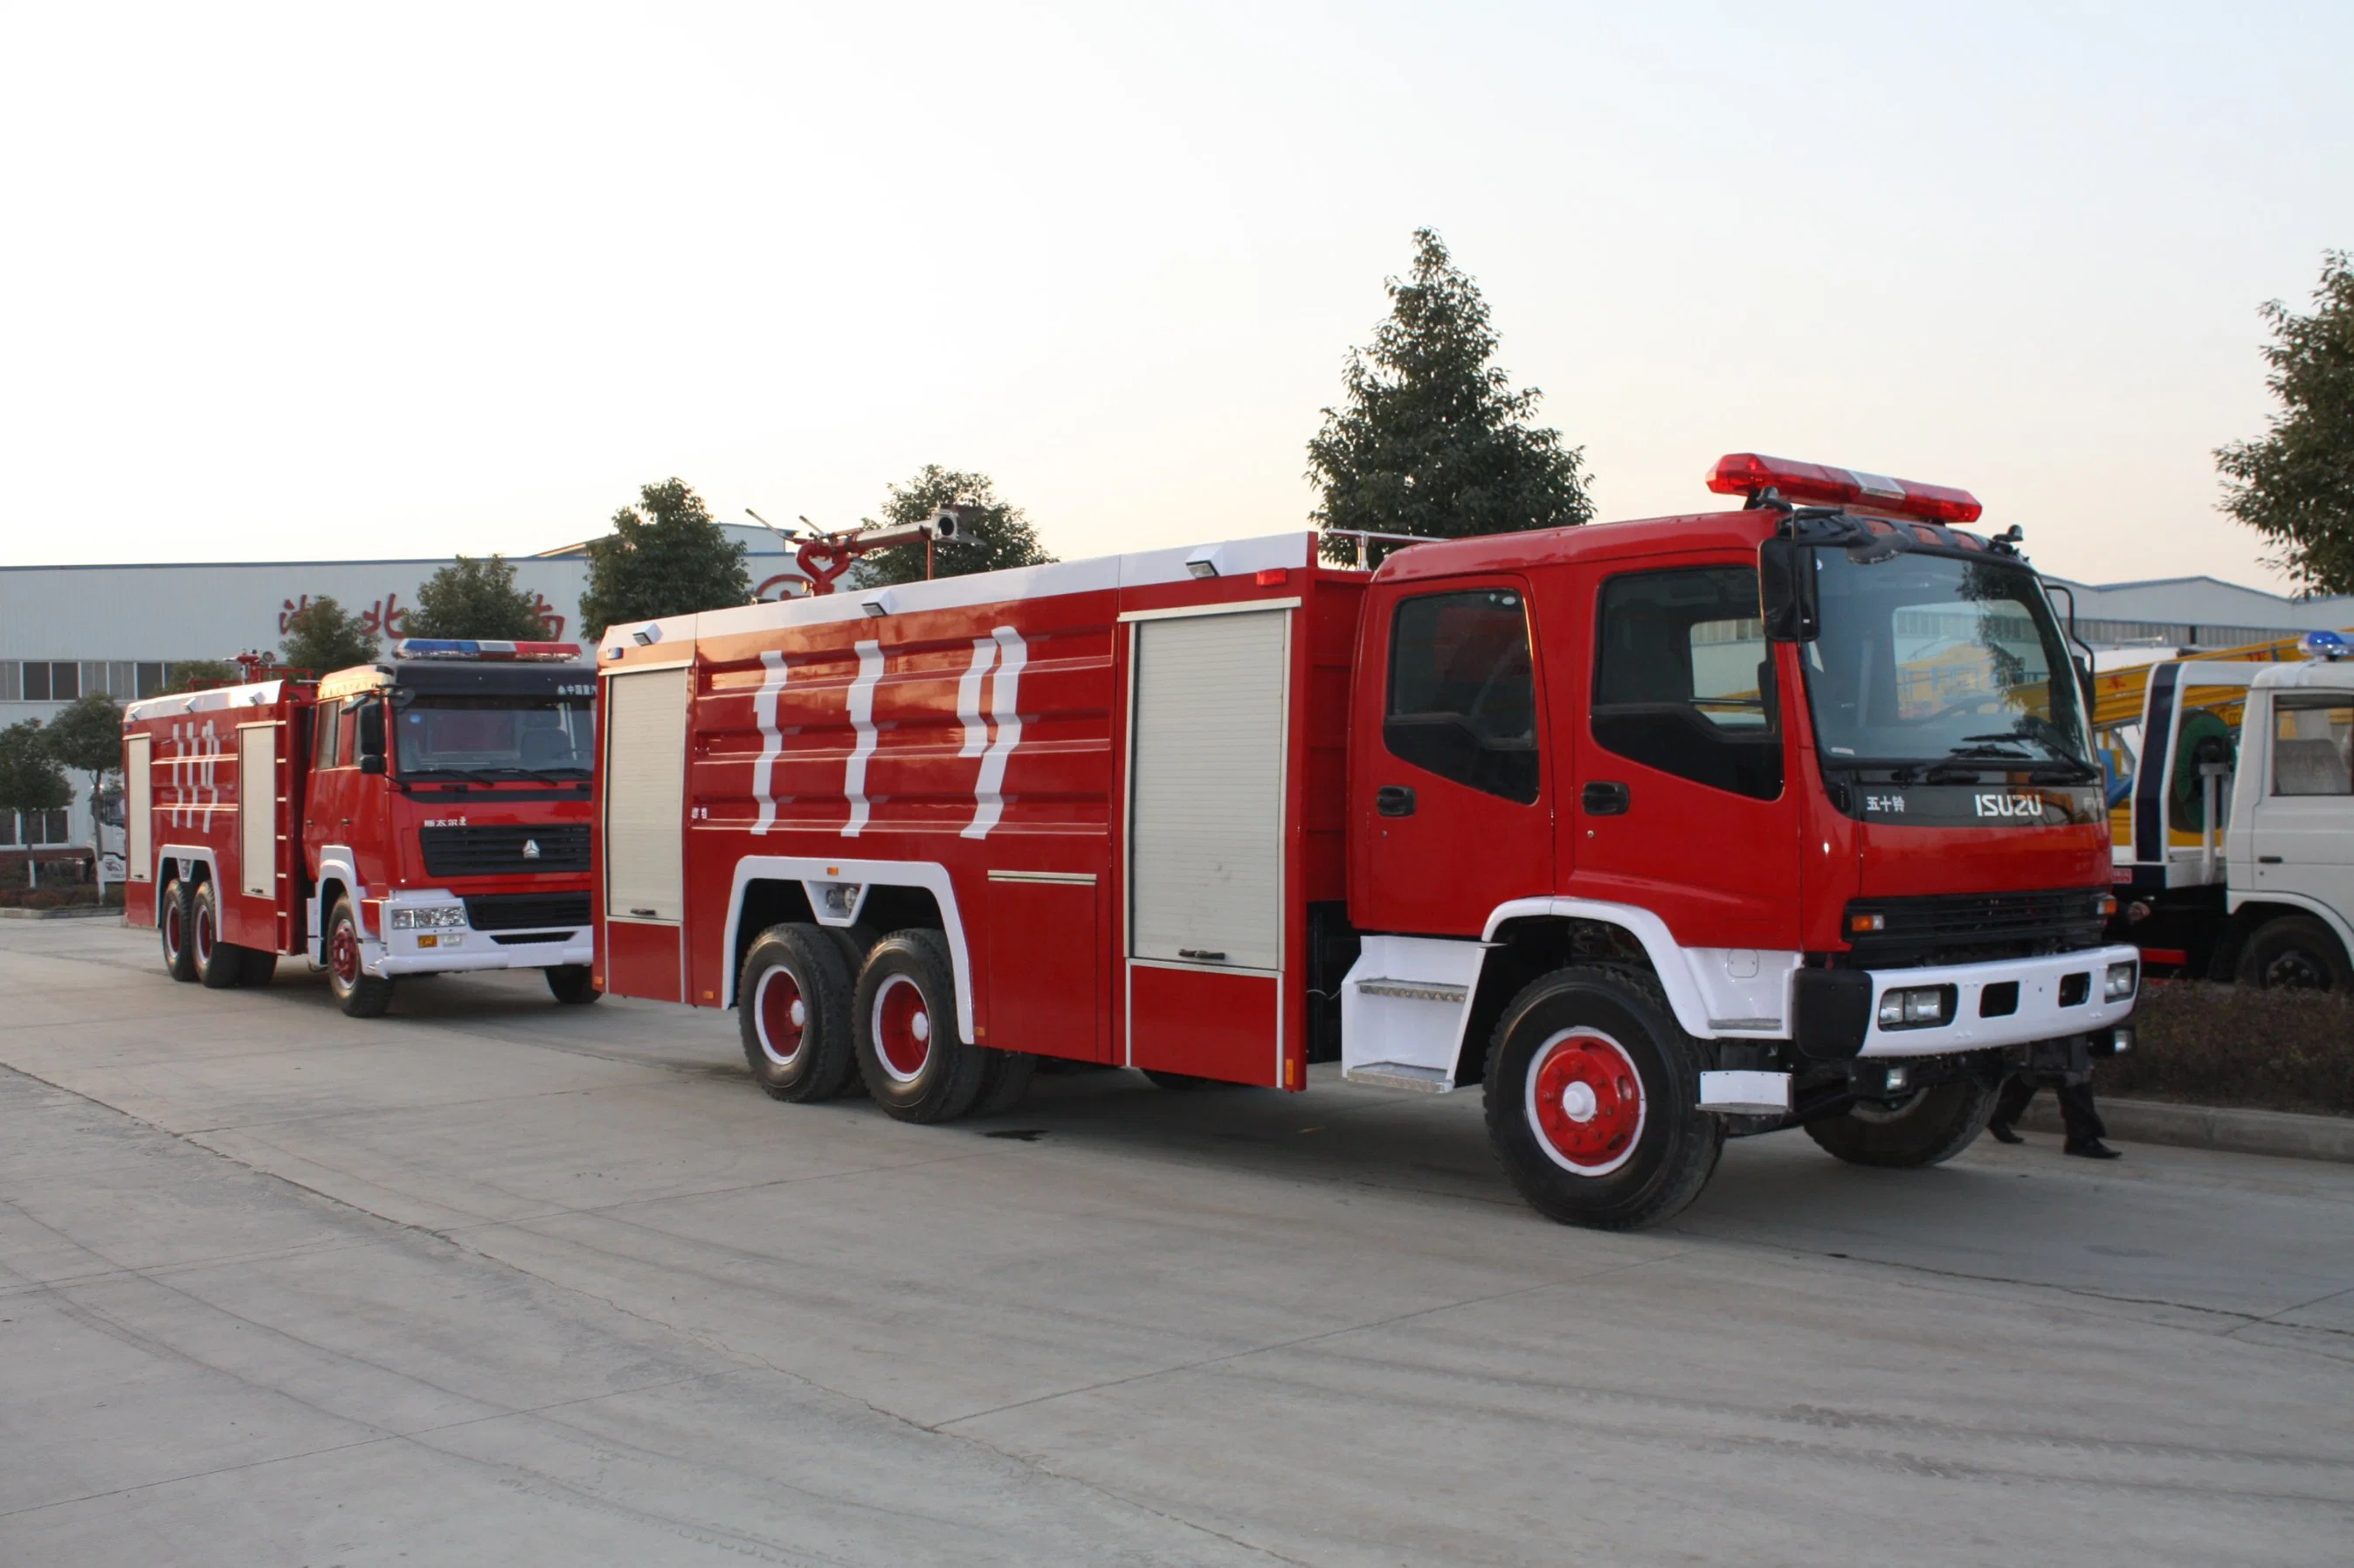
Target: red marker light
(1819,484)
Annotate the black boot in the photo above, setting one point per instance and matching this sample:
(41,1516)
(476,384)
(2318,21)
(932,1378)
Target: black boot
(2002,1133)
(2092,1149)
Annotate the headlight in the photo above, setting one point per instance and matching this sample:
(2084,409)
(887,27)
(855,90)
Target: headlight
(1916,1007)
(2120,982)
(428,918)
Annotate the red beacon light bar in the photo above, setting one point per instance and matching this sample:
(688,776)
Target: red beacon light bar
(1819,484)
(473,648)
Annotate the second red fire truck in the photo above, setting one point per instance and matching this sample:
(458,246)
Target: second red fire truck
(1660,831)
(420,815)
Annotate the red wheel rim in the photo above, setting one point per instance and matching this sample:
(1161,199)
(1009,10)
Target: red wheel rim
(903,1028)
(779,1016)
(344,955)
(171,930)
(1586,1102)
(204,933)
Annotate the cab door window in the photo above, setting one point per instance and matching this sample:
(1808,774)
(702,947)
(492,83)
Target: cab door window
(323,737)
(1462,698)
(2313,745)
(1683,679)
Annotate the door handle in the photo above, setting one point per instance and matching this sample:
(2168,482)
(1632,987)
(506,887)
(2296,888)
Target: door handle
(1604,798)
(1394,800)
(2268,860)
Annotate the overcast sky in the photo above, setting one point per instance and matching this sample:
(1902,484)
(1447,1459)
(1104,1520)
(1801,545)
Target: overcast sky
(318,282)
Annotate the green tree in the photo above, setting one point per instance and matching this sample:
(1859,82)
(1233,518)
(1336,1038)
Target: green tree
(86,737)
(30,778)
(1431,438)
(670,559)
(189,674)
(2296,487)
(322,636)
(991,534)
(474,598)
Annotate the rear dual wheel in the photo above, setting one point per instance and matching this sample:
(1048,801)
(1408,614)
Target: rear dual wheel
(793,1011)
(173,919)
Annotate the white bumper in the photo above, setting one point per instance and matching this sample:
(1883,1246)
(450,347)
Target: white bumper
(456,947)
(2039,1015)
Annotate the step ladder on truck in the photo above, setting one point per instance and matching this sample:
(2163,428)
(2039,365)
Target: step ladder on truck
(2234,848)
(420,815)
(1660,831)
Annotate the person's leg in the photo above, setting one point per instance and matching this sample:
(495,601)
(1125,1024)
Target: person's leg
(2084,1122)
(2017,1090)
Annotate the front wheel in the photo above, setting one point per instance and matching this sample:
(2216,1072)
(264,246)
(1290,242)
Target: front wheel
(1593,1097)
(2295,952)
(357,992)
(575,985)
(1927,1127)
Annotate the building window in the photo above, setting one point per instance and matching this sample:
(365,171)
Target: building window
(33,830)
(152,679)
(46,681)
(11,680)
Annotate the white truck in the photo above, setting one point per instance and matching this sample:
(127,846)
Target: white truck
(2240,863)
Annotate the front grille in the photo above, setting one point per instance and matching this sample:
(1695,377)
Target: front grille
(528,911)
(1974,928)
(505,852)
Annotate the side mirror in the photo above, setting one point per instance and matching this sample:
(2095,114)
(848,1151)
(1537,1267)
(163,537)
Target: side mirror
(369,749)
(1785,591)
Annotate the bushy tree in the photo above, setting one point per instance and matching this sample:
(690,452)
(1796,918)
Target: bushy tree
(1430,439)
(991,533)
(322,636)
(190,674)
(669,559)
(30,778)
(2296,487)
(86,737)
(474,598)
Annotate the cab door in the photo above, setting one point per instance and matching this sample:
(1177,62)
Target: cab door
(2303,840)
(1680,804)
(1451,794)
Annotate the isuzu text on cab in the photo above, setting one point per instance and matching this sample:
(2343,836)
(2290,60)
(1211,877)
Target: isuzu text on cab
(427,813)
(1662,832)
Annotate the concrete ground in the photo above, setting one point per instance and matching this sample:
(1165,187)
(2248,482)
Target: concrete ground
(492,1281)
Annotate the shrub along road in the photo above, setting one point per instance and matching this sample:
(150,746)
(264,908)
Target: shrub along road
(494,1281)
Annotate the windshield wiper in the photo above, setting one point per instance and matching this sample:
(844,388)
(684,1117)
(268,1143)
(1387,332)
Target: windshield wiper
(1992,753)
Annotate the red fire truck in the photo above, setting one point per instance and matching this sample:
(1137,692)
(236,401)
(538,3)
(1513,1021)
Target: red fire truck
(1663,831)
(423,814)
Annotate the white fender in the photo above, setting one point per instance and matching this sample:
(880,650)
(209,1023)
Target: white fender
(863,874)
(1717,993)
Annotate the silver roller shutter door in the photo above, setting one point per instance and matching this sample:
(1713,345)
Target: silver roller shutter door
(1206,827)
(645,794)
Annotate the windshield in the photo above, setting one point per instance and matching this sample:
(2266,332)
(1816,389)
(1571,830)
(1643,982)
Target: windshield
(1925,659)
(495,736)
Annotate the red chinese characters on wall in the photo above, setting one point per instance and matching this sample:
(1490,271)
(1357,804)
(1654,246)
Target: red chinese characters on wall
(387,616)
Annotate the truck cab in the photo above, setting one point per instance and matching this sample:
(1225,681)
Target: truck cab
(1787,815)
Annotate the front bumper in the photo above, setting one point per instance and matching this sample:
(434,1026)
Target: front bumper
(2039,1015)
(458,947)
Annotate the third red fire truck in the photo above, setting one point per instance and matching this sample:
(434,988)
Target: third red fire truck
(1662,832)
(415,816)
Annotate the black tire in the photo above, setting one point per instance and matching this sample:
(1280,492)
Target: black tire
(575,985)
(904,1020)
(1927,1127)
(171,922)
(1005,1079)
(1620,1141)
(793,1011)
(1184,1083)
(2295,952)
(260,968)
(357,992)
(220,964)
(856,942)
